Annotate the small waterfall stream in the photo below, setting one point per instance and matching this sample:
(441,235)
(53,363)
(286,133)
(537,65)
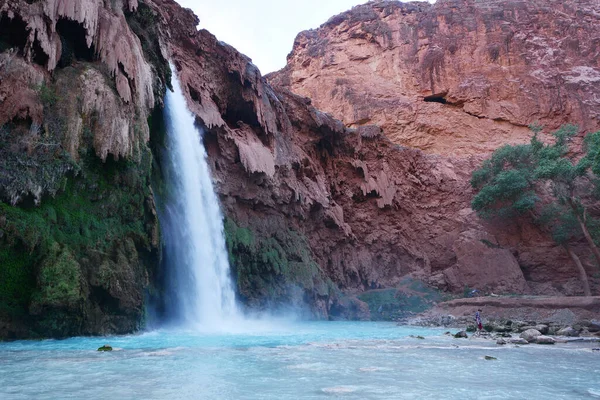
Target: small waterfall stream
(199,288)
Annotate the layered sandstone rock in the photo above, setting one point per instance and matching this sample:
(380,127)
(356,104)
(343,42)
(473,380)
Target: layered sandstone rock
(460,77)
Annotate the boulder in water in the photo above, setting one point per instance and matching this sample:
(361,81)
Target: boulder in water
(530,334)
(448,320)
(106,347)
(461,335)
(567,331)
(490,358)
(543,329)
(594,326)
(501,341)
(544,340)
(500,327)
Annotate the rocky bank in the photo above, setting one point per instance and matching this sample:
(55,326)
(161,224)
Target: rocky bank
(317,210)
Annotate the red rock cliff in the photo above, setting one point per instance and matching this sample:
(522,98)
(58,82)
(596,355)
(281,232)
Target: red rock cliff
(313,204)
(460,77)
(79,241)
(370,210)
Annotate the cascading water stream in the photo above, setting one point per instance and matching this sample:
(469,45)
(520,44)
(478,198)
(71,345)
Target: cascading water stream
(199,288)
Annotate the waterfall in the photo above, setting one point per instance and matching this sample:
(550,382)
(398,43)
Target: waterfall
(199,288)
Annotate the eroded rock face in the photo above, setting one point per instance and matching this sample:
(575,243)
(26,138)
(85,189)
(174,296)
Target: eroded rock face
(459,79)
(50,35)
(369,211)
(79,243)
(454,78)
(314,206)
(483,264)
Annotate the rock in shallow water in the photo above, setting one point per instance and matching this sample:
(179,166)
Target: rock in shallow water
(106,347)
(519,341)
(461,335)
(544,340)
(568,331)
(530,334)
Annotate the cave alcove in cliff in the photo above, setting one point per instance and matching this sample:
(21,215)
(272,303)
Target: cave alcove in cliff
(13,33)
(74,45)
(436,98)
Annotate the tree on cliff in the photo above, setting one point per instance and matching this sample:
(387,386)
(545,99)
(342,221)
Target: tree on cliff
(539,181)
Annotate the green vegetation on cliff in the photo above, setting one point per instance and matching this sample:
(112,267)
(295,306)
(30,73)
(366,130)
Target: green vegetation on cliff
(41,248)
(274,270)
(544,183)
(411,296)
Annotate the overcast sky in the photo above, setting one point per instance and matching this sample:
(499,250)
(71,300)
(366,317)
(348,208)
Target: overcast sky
(264,30)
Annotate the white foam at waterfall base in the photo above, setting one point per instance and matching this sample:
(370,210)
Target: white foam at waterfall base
(200,292)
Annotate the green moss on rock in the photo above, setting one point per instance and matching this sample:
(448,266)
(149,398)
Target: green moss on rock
(50,253)
(17,279)
(410,297)
(274,270)
(60,280)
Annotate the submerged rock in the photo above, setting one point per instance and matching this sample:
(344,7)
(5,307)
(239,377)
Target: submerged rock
(518,341)
(545,340)
(106,347)
(490,358)
(461,335)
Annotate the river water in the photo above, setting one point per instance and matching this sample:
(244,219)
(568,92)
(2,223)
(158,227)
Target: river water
(296,360)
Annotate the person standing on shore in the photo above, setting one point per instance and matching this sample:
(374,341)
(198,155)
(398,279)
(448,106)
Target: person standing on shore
(478,320)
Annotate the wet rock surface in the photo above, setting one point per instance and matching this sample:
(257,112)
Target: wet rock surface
(519,320)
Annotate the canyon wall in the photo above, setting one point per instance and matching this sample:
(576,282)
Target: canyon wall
(459,79)
(367,210)
(456,78)
(317,209)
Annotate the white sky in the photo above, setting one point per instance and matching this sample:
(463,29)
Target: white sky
(265,30)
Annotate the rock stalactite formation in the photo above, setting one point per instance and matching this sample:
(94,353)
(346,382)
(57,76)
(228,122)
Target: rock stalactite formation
(79,243)
(53,33)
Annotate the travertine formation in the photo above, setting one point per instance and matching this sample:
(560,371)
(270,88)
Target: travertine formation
(79,242)
(44,31)
(457,78)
